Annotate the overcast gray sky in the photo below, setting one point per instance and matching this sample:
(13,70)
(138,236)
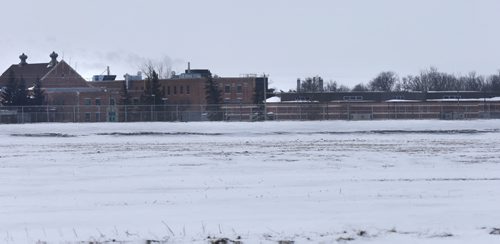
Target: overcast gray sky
(348,41)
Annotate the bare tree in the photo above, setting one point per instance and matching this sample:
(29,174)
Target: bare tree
(162,67)
(439,81)
(472,82)
(343,88)
(311,84)
(413,83)
(493,83)
(431,80)
(360,88)
(331,86)
(385,81)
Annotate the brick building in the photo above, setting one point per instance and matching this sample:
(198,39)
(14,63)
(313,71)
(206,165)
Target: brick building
(184,95)
(67,95)
(190,88)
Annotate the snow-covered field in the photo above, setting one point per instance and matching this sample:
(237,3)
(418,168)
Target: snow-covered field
(264,182)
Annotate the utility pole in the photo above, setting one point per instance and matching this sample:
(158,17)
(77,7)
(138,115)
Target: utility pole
(265,96)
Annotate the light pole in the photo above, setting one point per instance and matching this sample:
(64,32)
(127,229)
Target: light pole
(153,107)
(78,106)
(265,96)
(164,99)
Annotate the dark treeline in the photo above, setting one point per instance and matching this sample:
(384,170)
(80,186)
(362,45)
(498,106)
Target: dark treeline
(428,80)
(16,92)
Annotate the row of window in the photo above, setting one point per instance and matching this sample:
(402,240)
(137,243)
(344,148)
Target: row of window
(227,88)
(353,98)
(173,90)
(88,102)
(233,101)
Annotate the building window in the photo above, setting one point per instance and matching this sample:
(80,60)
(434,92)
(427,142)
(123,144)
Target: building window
(239,88)
(227,100)
(87,117)
(112,101)
(97,117)
(188,90)
(182,89)
(168,90)
(97,101)
(87,101)
(353,98)
(175,90)
(227,88)
(135,101)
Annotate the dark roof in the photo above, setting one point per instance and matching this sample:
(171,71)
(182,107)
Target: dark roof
(29,72)
(202,72)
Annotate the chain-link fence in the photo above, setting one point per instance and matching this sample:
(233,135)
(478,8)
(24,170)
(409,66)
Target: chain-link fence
(252,112)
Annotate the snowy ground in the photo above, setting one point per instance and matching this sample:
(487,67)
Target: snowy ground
(264,182)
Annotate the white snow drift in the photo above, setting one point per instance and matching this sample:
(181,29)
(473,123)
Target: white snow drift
(310,182)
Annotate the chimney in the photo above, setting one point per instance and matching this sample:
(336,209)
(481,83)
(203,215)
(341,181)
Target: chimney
(189,68)
(107,70)
(320,82)
(23,58)
(298,84)
(53,59)
(127,80)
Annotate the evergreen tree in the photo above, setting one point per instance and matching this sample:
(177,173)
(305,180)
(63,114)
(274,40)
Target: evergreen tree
(124,95)
(8,92)
(152,92)
(213,97)
(38,96)
(21,94)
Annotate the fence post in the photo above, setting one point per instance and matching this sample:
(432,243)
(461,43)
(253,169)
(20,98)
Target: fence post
(240,111)
(177,112)
(323,112)
(300,111)
(125,112)
(327,112)
(349,111)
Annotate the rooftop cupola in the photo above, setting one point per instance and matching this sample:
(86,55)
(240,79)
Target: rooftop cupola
(23,58)
(53,59)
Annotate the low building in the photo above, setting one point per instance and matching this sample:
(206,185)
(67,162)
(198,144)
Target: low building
(379,96)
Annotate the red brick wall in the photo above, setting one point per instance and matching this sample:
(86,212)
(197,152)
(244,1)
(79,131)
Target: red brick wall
(190,91)
(63,76)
